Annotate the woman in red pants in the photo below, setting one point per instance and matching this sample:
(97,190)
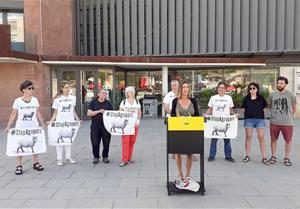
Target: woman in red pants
(130,104)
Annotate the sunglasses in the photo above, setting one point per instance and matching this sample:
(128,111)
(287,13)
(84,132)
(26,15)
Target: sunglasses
(30,88)
(252,88)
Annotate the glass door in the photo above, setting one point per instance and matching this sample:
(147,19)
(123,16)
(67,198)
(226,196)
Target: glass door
(88,90)
(72,77)
(119,87)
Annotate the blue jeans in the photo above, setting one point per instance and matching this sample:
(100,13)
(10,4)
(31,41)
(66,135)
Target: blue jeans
(213,148)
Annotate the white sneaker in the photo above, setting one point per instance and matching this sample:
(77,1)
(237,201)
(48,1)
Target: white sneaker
(72,161)
(59,162)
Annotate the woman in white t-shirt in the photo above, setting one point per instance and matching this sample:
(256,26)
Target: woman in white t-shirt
(130,104)
(26,109)
(64,110)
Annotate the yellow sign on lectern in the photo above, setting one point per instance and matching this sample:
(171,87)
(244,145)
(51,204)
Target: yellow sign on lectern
(185,123)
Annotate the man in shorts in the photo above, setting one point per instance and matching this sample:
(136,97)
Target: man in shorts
(283,108)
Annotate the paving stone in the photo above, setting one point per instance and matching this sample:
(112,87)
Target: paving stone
(22,183)
(136,203)
(152,191)
(5,193)
(12,203)
(78,193)
(280,202)
(103,182)
(181,201)
(116,193)
(237,190)
(34,193)
(64,183)
(90,203)
(138,182)
(42,203)
(225,202)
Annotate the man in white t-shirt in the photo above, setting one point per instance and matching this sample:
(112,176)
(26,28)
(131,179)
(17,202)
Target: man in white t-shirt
(220,105)
(169,97)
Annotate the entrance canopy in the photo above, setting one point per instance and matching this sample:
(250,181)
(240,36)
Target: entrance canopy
(151,62)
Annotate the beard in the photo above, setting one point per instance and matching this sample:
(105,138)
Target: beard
(280,88)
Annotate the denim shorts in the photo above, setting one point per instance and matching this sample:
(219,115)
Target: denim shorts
(254,123)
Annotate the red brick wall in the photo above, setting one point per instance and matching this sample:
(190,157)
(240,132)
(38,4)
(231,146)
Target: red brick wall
(49,27)
(11,75)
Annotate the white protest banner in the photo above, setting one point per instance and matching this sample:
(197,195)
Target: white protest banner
(119,122)
(62,133)
(21,142)
(220,126)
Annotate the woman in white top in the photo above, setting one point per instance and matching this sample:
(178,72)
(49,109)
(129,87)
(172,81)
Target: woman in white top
(64,110)
(26,109)
(130,104)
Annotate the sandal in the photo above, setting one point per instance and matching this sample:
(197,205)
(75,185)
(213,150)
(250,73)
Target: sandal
(265,161)
(272,160)
(19,170)
(37,166)
(287,161)
(246,159)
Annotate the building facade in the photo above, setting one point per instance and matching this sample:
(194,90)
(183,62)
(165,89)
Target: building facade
(111,44)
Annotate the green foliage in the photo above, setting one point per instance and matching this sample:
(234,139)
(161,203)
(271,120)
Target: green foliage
(265,93)
(205,95)
(237,98)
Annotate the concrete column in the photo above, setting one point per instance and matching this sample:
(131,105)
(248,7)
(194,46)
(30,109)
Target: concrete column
(164,85)
(289,73)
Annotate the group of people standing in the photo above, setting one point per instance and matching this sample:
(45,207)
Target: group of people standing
(282,103)
(177,102)
(27,104)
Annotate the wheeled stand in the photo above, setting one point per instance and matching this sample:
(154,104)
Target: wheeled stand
(185,135)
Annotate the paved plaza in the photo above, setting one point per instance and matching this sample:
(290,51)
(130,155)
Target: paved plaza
(143,184)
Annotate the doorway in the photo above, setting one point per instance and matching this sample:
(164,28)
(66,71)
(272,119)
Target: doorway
(84,83)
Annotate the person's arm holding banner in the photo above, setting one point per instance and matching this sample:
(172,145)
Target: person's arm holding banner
(11,119)
(208,112)
(53,118)
(39,117)
(77,118)
(231,108)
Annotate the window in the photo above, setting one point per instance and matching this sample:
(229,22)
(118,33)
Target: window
(266,78)
(1,18)
(16,22)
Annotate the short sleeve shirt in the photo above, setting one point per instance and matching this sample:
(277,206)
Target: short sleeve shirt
(97,120)
(169,98)
(130,107)
(254,108)
(26,113)
(282,108)
(221,105)
(65,107)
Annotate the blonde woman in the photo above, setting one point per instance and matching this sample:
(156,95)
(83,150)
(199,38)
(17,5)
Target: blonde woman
(130,104)
(64,110)
(184,105)
(24,105)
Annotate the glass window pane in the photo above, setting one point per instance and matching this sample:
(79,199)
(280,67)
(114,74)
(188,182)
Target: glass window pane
(207,81)
(119,88)
(182,75)
(16,22)
(1,18)
(236,79)
(208,78)
(266,78)
(105,81)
